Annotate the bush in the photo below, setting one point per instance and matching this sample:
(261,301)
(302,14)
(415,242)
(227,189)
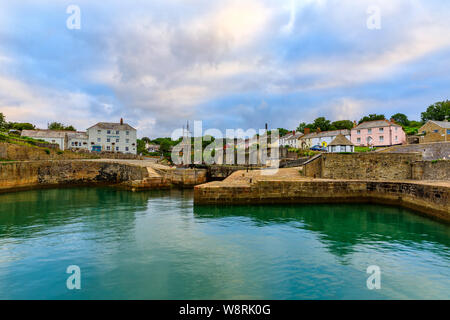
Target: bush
(47,151)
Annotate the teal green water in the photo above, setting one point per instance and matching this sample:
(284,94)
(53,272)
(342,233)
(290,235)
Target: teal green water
(157,245)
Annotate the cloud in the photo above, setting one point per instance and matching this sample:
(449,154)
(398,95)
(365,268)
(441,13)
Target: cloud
(160,63)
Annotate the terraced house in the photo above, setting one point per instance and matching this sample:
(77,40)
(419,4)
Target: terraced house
(321,138)
(378,133)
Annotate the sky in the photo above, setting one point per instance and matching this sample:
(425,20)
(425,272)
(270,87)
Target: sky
(231,64)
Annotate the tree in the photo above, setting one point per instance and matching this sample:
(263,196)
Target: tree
(2,121)
(401,119)
(322,123)
(282,131)
(21,126)
(301,127)
(146,140)
(372,117)
(164,147)
(60,126)
(341,125)
(439,111)
(141,146)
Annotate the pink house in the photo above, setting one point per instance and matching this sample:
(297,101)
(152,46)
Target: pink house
(379,133)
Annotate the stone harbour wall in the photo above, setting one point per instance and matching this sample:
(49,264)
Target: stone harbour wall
(431,200)
(28,174)
(72,172)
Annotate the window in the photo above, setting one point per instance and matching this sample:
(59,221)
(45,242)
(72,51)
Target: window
(435,131)
(99,140)
(396,128)
(99,131)
(108,132)
(358,140)
(127,140)
(108,140)
(117,140)
(396,138)
(381,138)
(117,131)
(358,131)
(369,131)
(73,143)
(126,148)
(448,131)
(381,129)
(108,148)
(117,148)
(128,133)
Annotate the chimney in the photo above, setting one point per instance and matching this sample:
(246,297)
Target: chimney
(307,130)
(121,121)
(392,120)
(293,132)
(318,130)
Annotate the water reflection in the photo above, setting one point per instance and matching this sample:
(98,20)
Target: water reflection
(343,227)
(158,245)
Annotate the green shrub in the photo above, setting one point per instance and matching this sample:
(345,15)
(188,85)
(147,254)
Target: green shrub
(47,151)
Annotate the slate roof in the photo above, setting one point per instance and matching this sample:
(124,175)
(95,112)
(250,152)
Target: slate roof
(44,133)
(77,135)
(296,136)
(376,124)
(112,126)
(323,134)
(340,140)
(442,124)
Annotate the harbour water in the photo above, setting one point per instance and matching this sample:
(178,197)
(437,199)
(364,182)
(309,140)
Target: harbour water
(158,245)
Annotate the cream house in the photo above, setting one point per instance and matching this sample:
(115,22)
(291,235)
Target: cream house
(113,137)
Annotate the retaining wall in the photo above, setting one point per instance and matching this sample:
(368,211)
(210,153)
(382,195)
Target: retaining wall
(371,166)
(27,174)
(431,200)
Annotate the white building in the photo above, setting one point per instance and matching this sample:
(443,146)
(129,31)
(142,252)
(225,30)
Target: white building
(322,139)
(77,140)
(113,137)
(52,136)
(293,140)
(284,139)
(340,144)
(152,147)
